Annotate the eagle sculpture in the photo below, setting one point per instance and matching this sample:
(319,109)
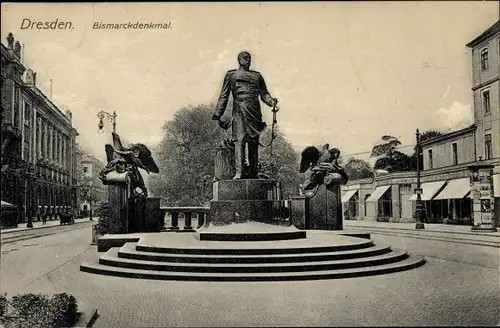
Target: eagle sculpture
(320,166)
(130,159)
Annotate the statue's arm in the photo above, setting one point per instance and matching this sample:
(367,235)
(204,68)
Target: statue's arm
(223,98)
(264,94)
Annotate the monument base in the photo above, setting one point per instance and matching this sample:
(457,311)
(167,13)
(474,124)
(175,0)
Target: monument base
(249,231)
(484,228)
(245,200)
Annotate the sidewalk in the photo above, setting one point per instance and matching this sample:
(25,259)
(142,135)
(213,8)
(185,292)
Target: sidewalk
(39,225)
(431,227)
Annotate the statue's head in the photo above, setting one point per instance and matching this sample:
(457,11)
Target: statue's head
(245,59)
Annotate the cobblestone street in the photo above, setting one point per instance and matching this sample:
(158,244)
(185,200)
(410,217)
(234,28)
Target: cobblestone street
(442,292)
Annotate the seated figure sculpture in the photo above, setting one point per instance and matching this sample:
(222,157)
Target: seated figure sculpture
(321,167)
(128,160)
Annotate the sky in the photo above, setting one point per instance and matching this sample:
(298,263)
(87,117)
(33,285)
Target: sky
(345,73)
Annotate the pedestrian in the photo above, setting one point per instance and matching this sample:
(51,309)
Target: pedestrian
(44,219)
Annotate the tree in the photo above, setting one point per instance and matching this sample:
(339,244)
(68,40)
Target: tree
(358,169)
(185,157)
(429,134)
(390,158)
(284,163)
(88,191)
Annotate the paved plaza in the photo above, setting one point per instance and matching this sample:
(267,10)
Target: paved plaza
(458,285)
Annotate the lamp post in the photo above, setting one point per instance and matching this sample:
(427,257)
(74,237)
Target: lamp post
(111,117)
(418,191)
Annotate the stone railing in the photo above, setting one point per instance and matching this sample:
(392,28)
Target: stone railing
(188,213)
(281,214)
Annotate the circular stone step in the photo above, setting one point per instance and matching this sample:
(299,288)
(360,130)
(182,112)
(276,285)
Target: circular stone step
(323,255)
(317,241)
(249,231)
(128,251)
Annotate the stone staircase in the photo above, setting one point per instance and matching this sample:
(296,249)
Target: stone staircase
(322,255)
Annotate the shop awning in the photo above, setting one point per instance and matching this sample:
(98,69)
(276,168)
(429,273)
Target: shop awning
(455,189)
(7,205)
(348,195)
(429,190)
(496,185)
(374,197)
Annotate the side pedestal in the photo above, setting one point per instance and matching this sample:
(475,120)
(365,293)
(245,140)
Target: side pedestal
(118,196)
(321,210)
(145,215)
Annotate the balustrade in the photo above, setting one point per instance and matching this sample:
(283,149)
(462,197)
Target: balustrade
(187,213)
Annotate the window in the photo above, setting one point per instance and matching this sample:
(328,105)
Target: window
(486,101)
(430,159)
(85,169)
(455,153)
(17,104)
(484,59)
(487,146)
(27,132)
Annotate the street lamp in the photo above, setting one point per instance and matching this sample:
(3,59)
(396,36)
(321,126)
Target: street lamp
(111,117)
(418,191)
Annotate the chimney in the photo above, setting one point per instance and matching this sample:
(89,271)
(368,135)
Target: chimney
(10,41)
(17,49)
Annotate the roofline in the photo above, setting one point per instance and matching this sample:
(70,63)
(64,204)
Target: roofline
(449,135)
(491,31)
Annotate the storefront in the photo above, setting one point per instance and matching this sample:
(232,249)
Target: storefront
(434,209)
(379,204)
(456,198)
(350,204)
(353,199)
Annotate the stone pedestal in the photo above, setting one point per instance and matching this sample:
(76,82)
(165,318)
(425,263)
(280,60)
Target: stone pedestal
(238,201)
(483,201)
(152,216)
(118,209)
(247,210)
(321,210)
(299,208)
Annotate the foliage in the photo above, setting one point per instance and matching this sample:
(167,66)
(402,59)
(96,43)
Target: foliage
(88,191)
(102,212)
(390,158)
(284,163)
(66,309)
(3,305)
(387,148)
(185,157)
(429,134)
(358,169)
(39,311)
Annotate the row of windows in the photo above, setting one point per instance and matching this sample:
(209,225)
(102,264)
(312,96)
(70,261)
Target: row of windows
(488,151)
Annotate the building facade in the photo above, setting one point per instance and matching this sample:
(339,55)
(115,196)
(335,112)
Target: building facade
(38,143)
(445,178)
(91,166)
(485,87)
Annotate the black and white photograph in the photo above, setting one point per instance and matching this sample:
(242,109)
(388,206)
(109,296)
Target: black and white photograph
(250,164)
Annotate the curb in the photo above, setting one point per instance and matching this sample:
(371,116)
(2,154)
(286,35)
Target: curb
(4,240)
(423,230)
(406,234)
(9,231)
(88,323)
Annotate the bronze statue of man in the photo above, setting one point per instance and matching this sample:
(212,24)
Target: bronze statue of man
(246,86)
